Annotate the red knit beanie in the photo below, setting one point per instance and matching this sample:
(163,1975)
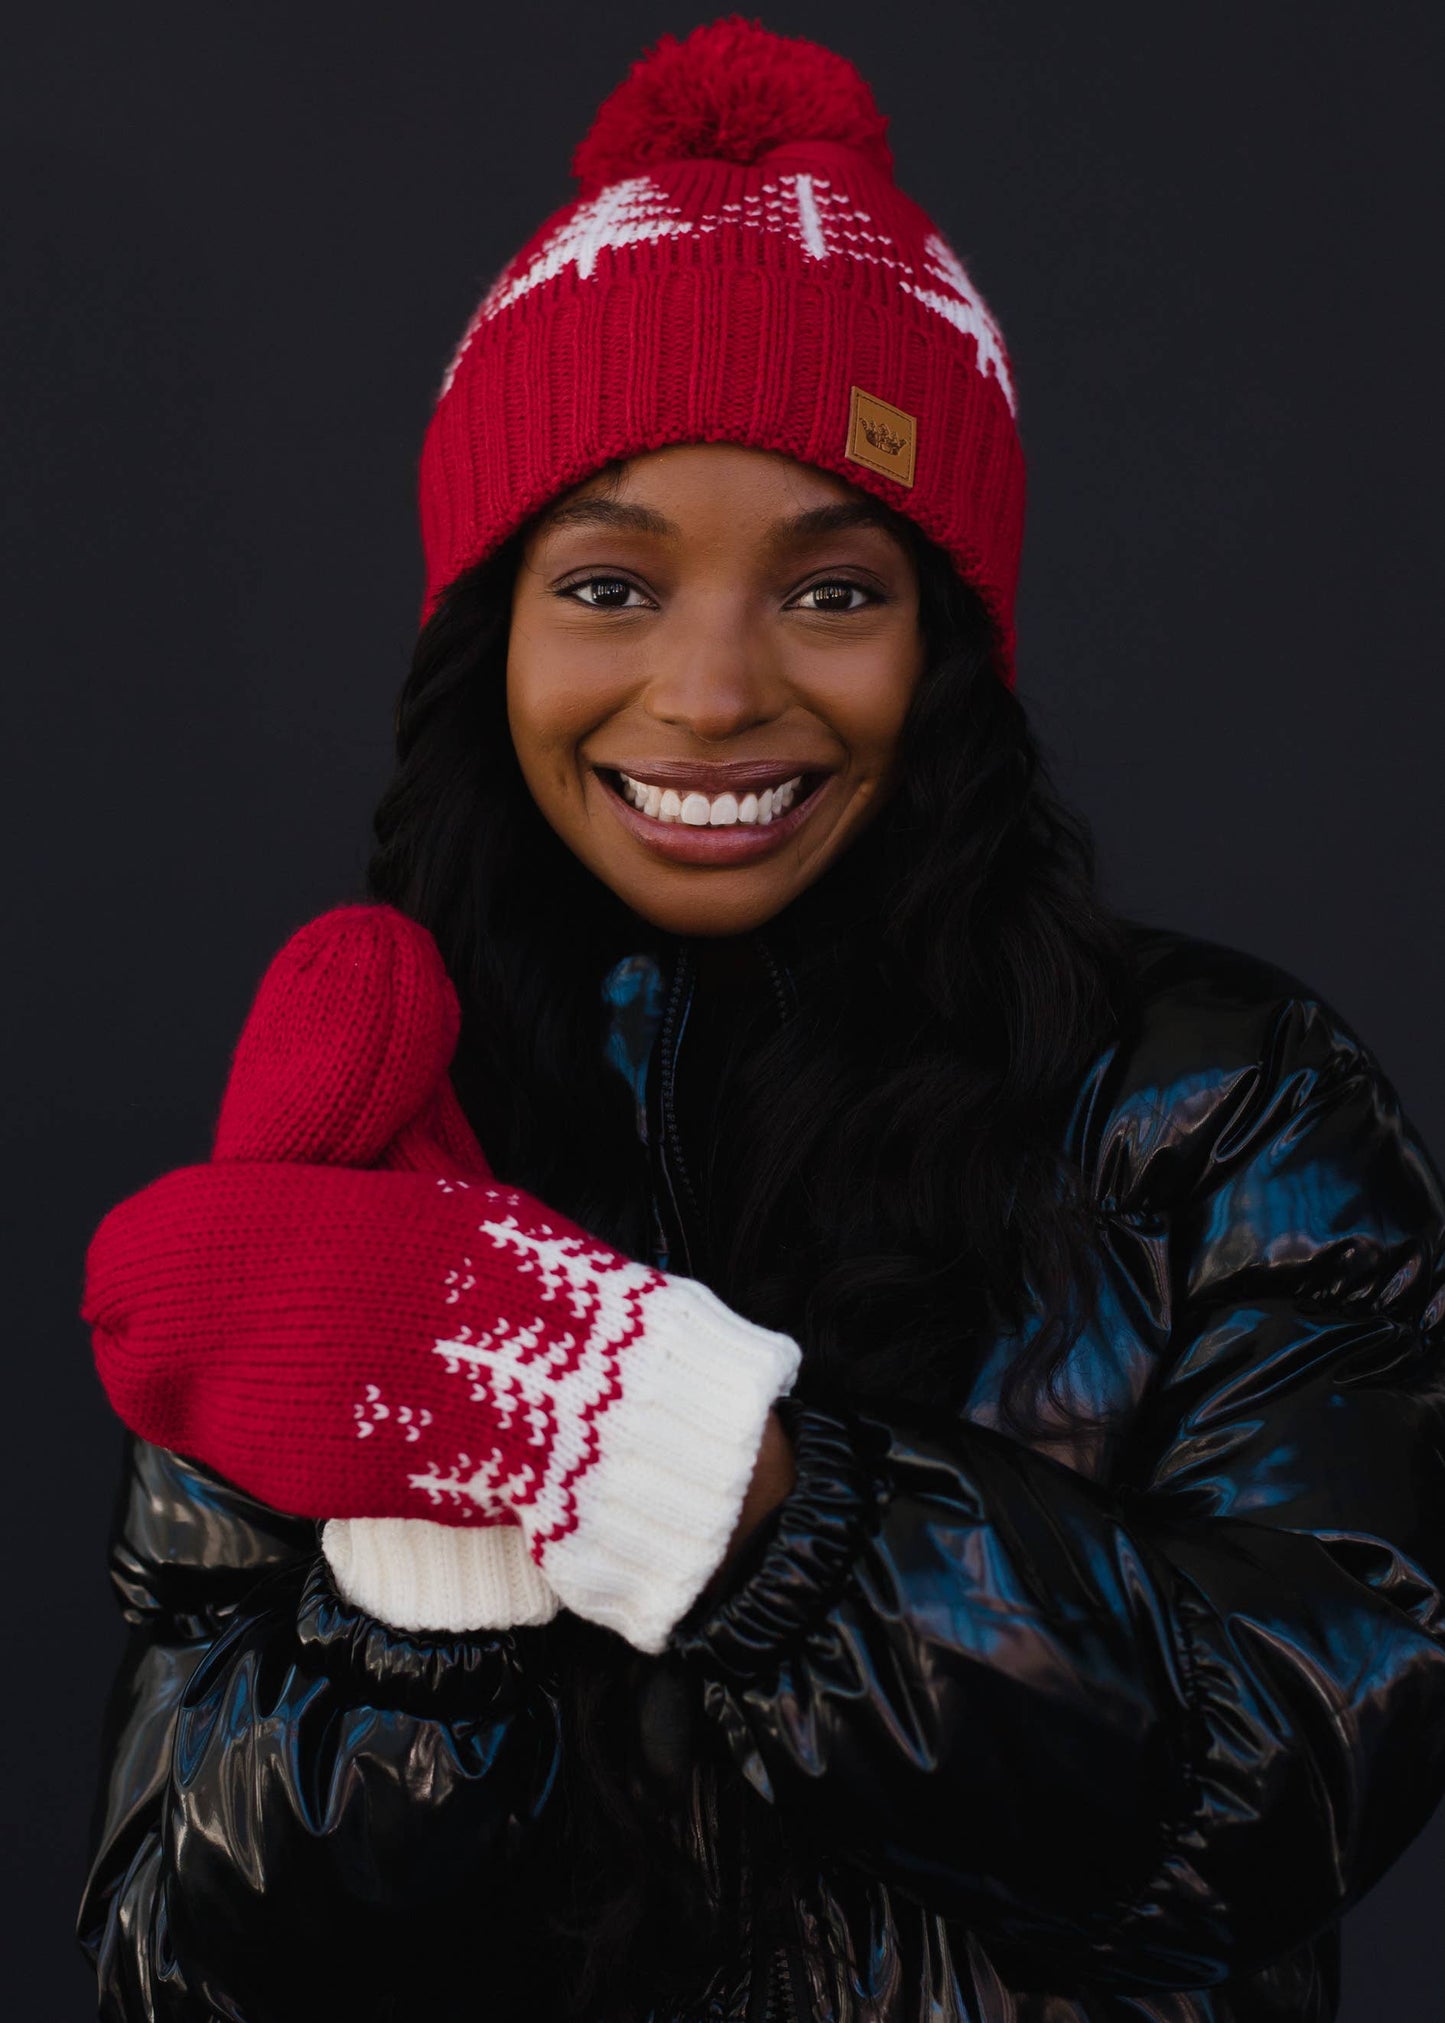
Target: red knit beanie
(738,267)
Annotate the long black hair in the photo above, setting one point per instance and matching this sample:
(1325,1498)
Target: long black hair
(890,1189)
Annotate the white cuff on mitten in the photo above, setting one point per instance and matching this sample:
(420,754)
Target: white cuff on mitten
(651,1515)
(675,1456)
(419,1575)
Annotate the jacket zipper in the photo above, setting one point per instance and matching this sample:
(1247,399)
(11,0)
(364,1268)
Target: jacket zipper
(681,1197)
(785,993)
(782,2000)
(669,1146)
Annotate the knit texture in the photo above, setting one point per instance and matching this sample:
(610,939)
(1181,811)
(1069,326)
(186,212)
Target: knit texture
(346,1048)
(739,260)
(382,1099)
(378,1344)
(417,1575)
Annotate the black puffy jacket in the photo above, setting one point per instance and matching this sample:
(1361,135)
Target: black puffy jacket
(1116,1730)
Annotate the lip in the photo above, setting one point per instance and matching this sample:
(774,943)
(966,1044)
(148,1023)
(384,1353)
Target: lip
(741,843)
(711,776)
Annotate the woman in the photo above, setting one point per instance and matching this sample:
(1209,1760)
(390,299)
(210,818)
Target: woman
(878,1431)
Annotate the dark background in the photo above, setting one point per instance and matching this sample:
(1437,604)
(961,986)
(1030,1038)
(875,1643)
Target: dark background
(245,239)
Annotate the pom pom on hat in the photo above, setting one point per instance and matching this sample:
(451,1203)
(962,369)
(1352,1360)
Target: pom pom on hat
(729,91)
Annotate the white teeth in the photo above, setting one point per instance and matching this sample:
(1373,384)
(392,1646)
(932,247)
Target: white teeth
(718,811)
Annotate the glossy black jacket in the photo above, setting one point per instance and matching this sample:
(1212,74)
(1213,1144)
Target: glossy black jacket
(1113,1730)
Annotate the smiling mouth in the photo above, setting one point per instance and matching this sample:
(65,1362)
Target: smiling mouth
(754,798)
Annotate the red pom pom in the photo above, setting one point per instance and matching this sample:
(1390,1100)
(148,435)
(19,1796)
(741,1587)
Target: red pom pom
(730,91)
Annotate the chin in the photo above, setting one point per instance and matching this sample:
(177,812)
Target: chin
(700,904)
(708,915)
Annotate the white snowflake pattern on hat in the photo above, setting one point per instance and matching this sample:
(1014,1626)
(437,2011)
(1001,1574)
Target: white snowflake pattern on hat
(821,220)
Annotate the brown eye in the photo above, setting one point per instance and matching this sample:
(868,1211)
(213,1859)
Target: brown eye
(602,593)
(838,596)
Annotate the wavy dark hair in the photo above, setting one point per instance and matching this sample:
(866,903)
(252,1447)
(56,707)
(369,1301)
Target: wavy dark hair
(889,1189)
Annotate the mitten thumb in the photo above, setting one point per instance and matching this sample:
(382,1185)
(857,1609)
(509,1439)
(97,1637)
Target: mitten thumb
(438,1140)
(349,1039)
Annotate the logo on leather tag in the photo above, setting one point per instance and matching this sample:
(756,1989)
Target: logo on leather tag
(881,436)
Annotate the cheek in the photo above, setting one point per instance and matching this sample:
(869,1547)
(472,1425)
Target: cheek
(868,711)
(547,717)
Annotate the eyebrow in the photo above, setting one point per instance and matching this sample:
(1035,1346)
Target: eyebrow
(608,513)
(806,526)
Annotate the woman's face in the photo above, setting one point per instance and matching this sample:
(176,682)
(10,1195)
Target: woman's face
(712,653)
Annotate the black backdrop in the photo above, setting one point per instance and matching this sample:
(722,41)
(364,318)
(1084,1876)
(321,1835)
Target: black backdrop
(245,239)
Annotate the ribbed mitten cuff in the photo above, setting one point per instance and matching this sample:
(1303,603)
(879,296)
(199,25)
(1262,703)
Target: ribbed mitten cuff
(676,1453)
(417,1575)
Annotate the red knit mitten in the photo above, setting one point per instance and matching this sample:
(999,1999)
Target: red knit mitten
(344,1055)
(370,1345)
(343,1060)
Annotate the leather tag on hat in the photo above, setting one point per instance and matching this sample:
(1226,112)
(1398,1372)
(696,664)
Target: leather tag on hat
(881,436)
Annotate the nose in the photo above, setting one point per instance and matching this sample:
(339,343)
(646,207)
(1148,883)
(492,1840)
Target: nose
(714,679)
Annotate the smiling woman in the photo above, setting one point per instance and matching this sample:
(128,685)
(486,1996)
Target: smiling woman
(740,635)
(924,1493)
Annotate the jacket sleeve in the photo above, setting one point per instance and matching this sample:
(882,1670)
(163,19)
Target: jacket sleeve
(302,1811)
(1158,1728)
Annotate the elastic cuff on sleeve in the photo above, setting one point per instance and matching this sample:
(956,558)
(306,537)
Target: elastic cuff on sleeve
(676,1452)
(414,1574)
